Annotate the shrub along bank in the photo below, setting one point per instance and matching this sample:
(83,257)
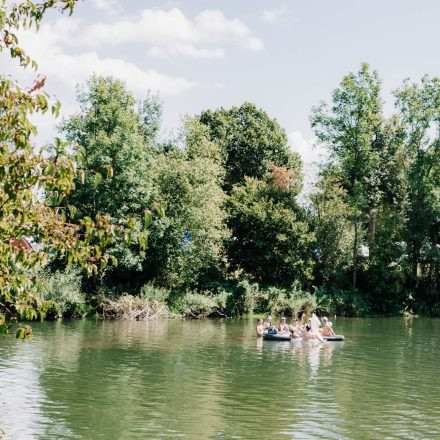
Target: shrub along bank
(63,290)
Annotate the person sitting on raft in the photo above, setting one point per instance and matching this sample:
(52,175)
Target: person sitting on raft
(282,326)
(327,329)
(268,323)
(260,327)
(295,329)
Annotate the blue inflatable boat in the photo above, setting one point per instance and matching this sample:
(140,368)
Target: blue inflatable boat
(273,335)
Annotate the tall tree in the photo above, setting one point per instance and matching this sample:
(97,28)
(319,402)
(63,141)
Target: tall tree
(419,106)
(114,171)
(349,128)
(331,218)
(186,244)
(387,189)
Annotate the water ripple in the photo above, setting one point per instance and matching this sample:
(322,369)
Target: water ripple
(213,379)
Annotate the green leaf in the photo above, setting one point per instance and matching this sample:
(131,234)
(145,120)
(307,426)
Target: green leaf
(82,176)
(143,240)
(98,178)
(148,218)
(72,210)
(20,334)
(131,223)
(109,170)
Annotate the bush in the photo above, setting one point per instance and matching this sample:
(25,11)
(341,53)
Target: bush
(196,305)
(246,297)
(63,288)
(154,293)
(131,307)
(243,298)
(291,302)
(345,302)
(425,300)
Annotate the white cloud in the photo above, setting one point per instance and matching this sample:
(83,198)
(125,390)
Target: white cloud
(110,7)
(186,50)
(46,47)
(253,43)
(273,15)
(171,33)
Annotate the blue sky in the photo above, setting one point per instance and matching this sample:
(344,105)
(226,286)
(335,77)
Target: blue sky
(284,56)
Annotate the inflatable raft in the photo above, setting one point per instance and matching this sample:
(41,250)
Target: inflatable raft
(269,336)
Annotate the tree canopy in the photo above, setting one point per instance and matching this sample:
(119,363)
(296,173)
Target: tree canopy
(250,142)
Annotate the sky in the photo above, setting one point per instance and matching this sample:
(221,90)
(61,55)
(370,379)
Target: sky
(284,56)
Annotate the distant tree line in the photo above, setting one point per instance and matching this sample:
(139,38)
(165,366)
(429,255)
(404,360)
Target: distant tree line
(220,200)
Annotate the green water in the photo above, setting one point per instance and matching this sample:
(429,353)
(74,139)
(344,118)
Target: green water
(213,379)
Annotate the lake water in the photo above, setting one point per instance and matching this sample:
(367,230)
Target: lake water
(213,379)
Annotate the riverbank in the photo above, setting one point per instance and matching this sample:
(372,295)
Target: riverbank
(66,297)
(69,297)
(226,301)
(151,302)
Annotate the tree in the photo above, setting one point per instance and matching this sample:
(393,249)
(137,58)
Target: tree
(110,134)
(270,237)
(349,129)
(250,142)
(186,244)
(150,112)
(115,143)
(419,106)
(331,219)
(387,190)
(33,187)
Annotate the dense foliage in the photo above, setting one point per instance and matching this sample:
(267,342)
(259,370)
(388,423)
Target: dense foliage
(250,142)
(186,242)
(385,187)
(271,239)
(227,190)
(113,170)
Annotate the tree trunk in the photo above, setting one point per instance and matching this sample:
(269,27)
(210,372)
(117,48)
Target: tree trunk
(414,264)
(371,232)
(355,253)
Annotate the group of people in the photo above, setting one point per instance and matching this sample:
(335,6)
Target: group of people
(312,329)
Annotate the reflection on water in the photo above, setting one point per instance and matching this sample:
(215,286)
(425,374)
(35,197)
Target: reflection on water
(215,379)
